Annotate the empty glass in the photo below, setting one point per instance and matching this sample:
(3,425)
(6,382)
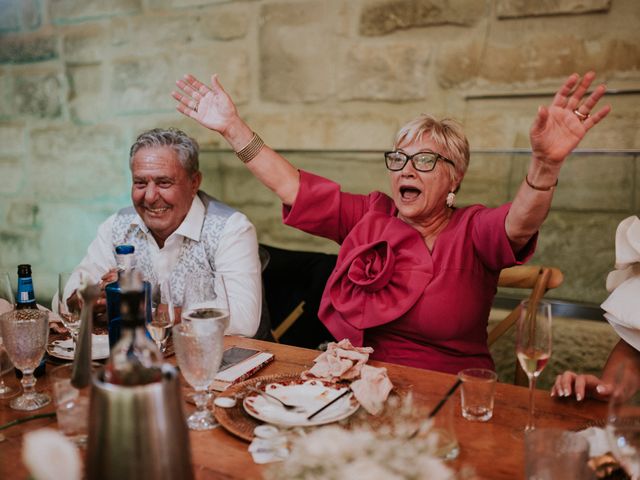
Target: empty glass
(69,308)
(25,333)
(7,303)
(623,421)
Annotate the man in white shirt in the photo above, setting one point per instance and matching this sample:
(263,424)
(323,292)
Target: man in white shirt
(177,229)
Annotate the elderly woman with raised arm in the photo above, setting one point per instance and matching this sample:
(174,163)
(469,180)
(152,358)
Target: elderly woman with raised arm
(415,276)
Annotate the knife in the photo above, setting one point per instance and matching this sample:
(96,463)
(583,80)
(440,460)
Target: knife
(347,391)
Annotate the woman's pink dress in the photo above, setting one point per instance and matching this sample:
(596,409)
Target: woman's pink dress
(388,291)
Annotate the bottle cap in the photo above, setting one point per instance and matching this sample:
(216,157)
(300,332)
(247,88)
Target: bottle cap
(124,249)
(24,270)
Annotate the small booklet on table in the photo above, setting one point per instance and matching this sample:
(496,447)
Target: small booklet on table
(238,364)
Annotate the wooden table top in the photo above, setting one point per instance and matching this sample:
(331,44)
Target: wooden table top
(492,448)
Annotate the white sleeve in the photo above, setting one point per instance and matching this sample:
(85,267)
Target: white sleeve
(237,259)
(99,259)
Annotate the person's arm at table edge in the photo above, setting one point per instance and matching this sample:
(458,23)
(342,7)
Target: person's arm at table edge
(623,356)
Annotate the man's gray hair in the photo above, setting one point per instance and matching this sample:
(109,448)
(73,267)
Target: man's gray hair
(185,147)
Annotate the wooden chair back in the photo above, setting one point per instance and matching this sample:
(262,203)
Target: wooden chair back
(538,279)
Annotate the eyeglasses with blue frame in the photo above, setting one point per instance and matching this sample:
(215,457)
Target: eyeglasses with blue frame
(424,161)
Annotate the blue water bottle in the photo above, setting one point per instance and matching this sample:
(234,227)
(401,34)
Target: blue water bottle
(125,261)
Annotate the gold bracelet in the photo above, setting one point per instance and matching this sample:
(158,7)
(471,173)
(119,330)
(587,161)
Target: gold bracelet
(540,189)
(251,149)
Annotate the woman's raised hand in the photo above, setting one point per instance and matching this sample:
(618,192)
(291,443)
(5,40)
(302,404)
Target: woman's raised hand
(211,106)
(560,127)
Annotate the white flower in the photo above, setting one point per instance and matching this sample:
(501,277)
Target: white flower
(334,453)
(49,455)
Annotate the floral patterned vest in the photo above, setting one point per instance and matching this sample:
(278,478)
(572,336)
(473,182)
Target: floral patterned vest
(193,256)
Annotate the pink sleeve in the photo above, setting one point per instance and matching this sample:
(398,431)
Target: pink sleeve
(491,242)
(322,209)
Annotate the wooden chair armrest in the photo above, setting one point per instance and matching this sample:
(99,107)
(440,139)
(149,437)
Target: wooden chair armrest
(287,322)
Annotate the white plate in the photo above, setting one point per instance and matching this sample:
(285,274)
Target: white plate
(63,349)
(311,395)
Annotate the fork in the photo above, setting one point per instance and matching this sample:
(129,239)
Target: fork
(268,396)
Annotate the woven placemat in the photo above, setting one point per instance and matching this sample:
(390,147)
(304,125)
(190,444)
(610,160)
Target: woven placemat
(235,419)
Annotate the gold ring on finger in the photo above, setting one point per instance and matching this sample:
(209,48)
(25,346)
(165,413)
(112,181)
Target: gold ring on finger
(580,115)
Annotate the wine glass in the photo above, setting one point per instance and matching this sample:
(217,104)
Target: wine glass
(205,298)
(69,306)
(162,316)
(199,348)
(623,421)
(25,334)
(7,303)
(533,345)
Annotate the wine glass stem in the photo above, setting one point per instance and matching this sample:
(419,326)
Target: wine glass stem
(28,382)
(201,399)
(532,388)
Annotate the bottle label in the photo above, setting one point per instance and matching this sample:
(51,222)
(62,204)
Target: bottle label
(25,290)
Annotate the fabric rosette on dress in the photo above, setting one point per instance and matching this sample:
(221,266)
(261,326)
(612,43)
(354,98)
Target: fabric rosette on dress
(377,279)
(622,307)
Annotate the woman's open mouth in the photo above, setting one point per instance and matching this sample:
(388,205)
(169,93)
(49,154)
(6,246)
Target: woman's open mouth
(409,193)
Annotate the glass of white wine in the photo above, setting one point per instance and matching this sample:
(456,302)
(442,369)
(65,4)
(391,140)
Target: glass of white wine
(162,315)
(533,345)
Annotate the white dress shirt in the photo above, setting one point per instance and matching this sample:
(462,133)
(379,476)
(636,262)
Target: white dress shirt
(236,258)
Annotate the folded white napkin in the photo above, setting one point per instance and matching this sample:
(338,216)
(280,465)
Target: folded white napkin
(622,307)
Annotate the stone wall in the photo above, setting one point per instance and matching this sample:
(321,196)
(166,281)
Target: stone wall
(79,79)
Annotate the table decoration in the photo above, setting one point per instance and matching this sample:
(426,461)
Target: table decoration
(389,450)
(49,455)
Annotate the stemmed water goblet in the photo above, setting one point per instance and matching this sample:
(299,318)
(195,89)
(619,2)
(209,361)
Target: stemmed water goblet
(205,298)
(69,311)
(533,345)
(25,333)
(8,303)
(162,316)
(199,346)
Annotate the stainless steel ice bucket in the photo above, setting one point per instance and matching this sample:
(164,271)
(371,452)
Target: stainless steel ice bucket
(138,432)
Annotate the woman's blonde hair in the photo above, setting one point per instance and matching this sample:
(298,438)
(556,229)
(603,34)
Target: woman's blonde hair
(446,133)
